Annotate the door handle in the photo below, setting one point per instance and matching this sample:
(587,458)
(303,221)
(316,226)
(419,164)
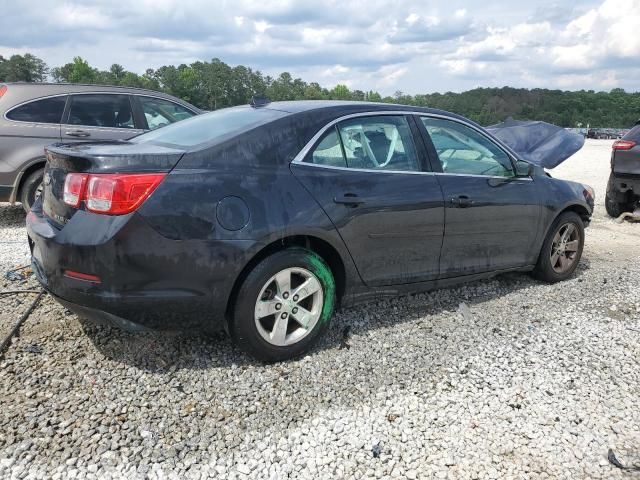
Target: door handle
(462,201)
(349,199)
(77,133)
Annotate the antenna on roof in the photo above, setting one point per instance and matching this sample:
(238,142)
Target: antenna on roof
(258,101)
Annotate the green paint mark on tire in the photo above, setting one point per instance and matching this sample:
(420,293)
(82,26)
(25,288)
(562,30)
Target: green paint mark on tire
(329,284)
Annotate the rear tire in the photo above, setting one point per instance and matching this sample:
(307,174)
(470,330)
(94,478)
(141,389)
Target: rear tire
(31,189)
(612,206)
(271,322)
(562,249)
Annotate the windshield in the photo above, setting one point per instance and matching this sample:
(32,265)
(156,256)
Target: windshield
(208,127)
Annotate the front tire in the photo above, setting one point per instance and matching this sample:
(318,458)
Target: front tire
(31,189)
(562,249)
(284,305)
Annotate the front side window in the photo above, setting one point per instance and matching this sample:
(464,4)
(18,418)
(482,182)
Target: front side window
(47,110)
(111,111)
(160,112)
(463,150)
(373,143)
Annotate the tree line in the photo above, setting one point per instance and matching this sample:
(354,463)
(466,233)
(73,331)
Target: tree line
(215,84)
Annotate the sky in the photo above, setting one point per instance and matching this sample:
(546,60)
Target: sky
(411,46)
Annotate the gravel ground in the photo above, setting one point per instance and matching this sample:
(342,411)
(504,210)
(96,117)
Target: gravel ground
(524,380)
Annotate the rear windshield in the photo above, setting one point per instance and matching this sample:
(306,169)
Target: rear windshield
(211,126)
(633,134)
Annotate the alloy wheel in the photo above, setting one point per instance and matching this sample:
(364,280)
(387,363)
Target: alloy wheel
(288,306)
(564,248)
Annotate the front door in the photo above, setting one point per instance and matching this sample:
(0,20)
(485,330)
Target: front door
(369,177)
(491,215)
(99,116)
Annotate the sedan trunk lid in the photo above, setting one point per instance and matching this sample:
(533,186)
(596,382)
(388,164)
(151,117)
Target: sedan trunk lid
(98,157)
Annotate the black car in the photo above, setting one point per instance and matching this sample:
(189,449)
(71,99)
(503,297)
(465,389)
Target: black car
(263,219)
(623,189)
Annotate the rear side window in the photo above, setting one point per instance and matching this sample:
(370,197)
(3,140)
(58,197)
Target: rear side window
(379,143)
(374,143)
(112,111)
(159,113)
(633,134)
(328,151)
(210,126)
(47,110)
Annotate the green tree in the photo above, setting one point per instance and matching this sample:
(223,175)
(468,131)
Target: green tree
(215,84)
(340,92)
(79,71)
(23,68)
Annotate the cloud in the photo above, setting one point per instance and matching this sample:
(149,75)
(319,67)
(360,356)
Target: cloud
(408,45)
(602,37)
(431,28)
(504,43)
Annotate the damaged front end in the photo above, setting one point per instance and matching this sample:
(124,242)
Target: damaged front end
(540,143)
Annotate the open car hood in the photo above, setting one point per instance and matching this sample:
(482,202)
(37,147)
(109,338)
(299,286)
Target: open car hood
(541,143)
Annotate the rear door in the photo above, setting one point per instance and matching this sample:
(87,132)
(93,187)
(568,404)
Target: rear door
(492,217)
(99,116)
(369,175)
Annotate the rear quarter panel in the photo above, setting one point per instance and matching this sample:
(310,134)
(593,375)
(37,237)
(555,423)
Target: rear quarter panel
(22,145)
(246,178)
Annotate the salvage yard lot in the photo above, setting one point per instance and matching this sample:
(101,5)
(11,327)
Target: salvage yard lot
(530,380)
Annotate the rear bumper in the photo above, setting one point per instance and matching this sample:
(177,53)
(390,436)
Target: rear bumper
(626,184)
(100,316)
(146,280)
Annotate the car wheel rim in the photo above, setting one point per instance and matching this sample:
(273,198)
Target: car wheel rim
(288,306)
(39,191)
(564,248)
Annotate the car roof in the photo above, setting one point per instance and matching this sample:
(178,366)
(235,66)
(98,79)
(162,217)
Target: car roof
(298,106)
(346,107)
(24,91)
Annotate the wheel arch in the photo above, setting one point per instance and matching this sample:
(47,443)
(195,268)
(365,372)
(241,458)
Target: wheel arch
(581,210)
(35,164)
(321,247)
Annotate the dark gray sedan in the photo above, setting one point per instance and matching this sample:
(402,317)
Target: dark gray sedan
(261,219)
(34,115)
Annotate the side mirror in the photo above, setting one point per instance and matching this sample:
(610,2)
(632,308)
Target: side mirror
(524,169)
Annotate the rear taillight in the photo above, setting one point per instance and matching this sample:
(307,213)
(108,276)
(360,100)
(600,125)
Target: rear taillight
(87,277)
(3,90)
(623,144)
(111,193)
(74,188)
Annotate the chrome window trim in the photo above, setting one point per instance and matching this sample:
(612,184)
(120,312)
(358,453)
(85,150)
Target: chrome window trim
(299,158)
(68,94)
(410,172)
(371,170)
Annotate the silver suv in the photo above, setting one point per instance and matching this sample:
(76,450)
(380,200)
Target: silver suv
(34,115)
